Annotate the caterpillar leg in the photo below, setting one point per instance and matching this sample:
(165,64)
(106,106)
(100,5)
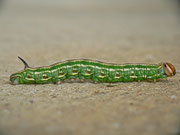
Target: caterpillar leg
(59,82)
(111,85)
(81,80)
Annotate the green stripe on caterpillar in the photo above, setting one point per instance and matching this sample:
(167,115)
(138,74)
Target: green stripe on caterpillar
(89,70)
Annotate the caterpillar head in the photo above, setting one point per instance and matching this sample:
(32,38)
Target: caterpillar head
(169,69)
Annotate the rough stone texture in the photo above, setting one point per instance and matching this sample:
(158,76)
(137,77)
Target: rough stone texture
(44,32)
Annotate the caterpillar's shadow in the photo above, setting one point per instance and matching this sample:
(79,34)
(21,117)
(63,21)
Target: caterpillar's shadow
(96,83)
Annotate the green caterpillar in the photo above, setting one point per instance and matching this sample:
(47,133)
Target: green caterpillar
(88,70)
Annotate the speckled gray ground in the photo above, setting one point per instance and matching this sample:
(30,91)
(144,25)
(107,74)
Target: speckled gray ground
(121,32)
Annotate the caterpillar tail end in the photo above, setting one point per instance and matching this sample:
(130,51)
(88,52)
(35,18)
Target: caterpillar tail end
(14,79)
